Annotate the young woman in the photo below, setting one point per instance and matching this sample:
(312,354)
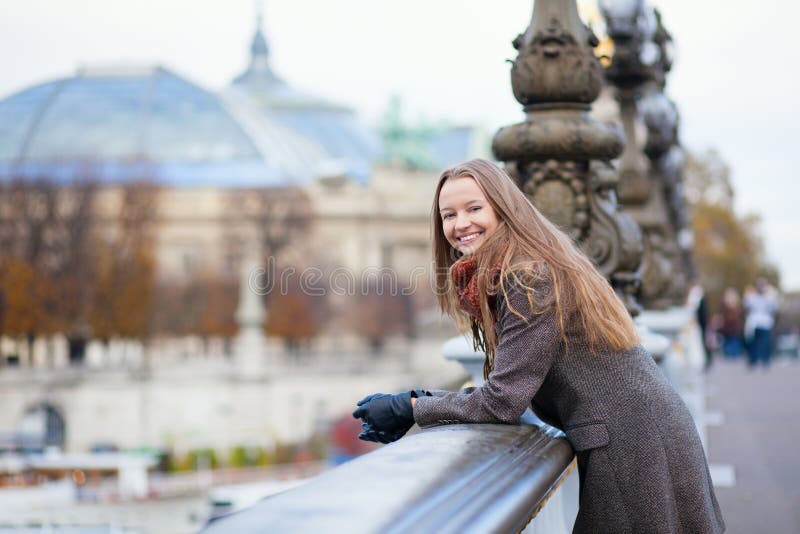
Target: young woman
(556,338)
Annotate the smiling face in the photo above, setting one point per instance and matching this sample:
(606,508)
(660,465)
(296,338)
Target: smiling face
(467,217)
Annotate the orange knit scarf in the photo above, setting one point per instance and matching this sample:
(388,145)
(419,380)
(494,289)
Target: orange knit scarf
(465,279)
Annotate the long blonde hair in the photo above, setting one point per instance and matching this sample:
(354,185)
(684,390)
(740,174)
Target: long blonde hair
(526,247)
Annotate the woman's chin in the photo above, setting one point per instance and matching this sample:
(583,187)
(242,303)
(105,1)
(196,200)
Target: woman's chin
(468,250)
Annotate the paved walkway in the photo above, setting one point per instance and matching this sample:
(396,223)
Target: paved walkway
(760,437)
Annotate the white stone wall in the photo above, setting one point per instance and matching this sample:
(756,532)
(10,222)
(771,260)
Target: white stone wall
(198,403)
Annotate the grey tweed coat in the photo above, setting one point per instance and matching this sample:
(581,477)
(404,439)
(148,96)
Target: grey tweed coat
(640,461)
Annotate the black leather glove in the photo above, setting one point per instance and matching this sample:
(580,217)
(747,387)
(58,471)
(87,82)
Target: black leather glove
(378,436)
(386,417)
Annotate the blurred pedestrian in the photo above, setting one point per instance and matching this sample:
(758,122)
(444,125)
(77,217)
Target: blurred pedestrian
(761,306)
(732,327)
(697,299)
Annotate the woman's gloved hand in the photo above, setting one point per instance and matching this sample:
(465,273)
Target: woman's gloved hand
(386,417)
(378,436)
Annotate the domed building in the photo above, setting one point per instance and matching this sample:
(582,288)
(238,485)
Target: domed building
(116,124)
(263,100)
(119,125)
(222,164)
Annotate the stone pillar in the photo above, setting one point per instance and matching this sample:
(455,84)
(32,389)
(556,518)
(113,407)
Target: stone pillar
(251,343)
(667,160)
(649,169)
(651,189)
(560,156)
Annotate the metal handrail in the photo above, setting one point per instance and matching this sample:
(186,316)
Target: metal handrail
(456,478)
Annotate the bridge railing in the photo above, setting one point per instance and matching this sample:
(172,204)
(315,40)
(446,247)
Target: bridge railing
(461,478)
(455,478)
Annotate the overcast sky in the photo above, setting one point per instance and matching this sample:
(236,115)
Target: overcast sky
(734,80)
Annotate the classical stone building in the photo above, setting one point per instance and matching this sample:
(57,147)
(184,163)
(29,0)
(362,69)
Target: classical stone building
(206,151)
(213,157)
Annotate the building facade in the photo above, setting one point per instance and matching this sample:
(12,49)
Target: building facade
(226,173)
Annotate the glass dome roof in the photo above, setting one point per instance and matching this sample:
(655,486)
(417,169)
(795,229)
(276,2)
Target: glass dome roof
(350,147)
(107,123)
(115,124)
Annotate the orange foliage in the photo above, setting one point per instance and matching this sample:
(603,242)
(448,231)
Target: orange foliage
(728,250)
(218,308)
(123,292)
(22,298)
(375,316)
(66,270)
(204,306)
(294,315)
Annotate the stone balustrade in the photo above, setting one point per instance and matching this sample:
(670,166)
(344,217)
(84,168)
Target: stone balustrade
(454,478)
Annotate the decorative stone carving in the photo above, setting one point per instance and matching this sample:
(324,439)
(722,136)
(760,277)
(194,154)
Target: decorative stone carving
(536,78)
(559,156)
(554,135)
(650,185)
(634,187)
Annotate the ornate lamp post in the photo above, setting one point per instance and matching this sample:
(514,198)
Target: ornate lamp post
(559,155)
(650,185)
(667,159)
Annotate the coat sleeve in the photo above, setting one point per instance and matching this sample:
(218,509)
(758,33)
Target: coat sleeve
(443,392)
(525,352)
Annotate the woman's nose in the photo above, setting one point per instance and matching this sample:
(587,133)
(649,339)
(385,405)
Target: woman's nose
(462,221)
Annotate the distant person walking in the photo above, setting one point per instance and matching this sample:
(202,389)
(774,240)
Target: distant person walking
(761,306)
(732,327)
(697,300)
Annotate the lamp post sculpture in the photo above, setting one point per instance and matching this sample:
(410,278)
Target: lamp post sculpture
(650,166)
(560,156)
(667,160)
(651,188)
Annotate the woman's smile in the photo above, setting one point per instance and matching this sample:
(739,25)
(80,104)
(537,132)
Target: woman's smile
(469,238)
(467,216)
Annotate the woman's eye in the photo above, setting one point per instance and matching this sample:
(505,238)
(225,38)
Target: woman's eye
(475,208)
(446,216)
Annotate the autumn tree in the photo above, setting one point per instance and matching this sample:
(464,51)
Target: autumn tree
(707,180)
(728,248)
(72,265)
(203,305)
(124,265)
(27,215)
(218,308)
(279,218)
(256,222)
(21,299)
(296,311)
(45,231)
(379,313)
(177,306)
